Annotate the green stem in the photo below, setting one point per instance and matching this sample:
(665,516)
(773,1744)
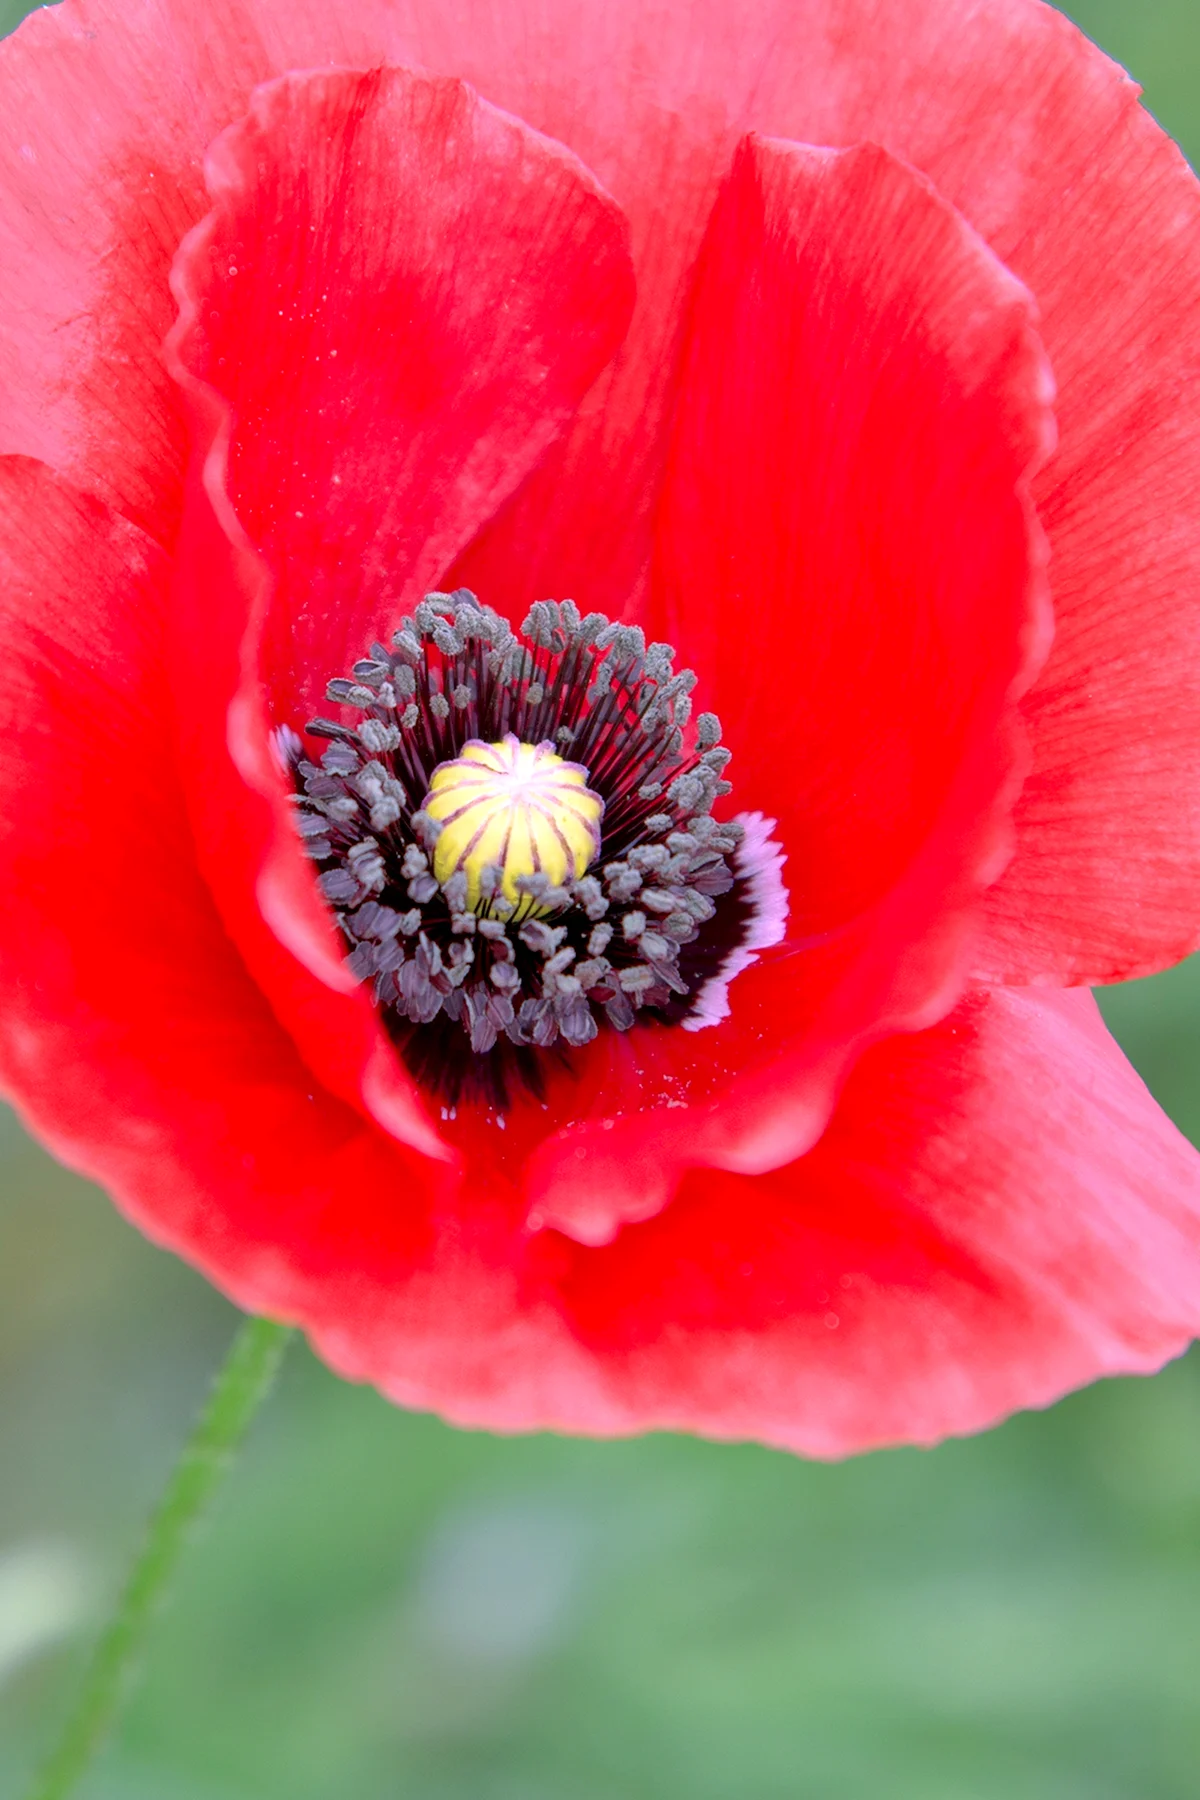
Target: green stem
(241,1385)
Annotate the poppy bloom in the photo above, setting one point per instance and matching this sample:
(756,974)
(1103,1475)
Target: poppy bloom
(663,1005)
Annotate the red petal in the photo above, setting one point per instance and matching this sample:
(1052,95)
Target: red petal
(131,1037)
(997,1213)
(108,110)
(1025,127)
(846,542)
(1106,880)
(399,298)
(369,383)
(1039,141)
(847,550)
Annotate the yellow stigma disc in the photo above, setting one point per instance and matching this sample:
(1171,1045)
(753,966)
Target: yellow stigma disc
(517,808)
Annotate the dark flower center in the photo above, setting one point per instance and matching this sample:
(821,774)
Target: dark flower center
(518,844)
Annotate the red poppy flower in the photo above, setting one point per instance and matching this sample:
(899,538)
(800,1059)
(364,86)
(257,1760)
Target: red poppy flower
(572,1078)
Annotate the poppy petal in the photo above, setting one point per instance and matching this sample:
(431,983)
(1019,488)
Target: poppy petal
(1105,883)
(367,385)
(132,1038)
(847,549)
(997,1213)
(1030,131)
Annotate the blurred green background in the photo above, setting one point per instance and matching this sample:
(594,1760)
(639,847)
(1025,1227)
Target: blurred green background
(387,1609)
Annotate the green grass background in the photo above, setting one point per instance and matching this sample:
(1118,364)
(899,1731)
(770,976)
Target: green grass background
(387,1609)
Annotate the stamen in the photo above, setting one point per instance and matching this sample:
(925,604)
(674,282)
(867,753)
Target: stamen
(504,901)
